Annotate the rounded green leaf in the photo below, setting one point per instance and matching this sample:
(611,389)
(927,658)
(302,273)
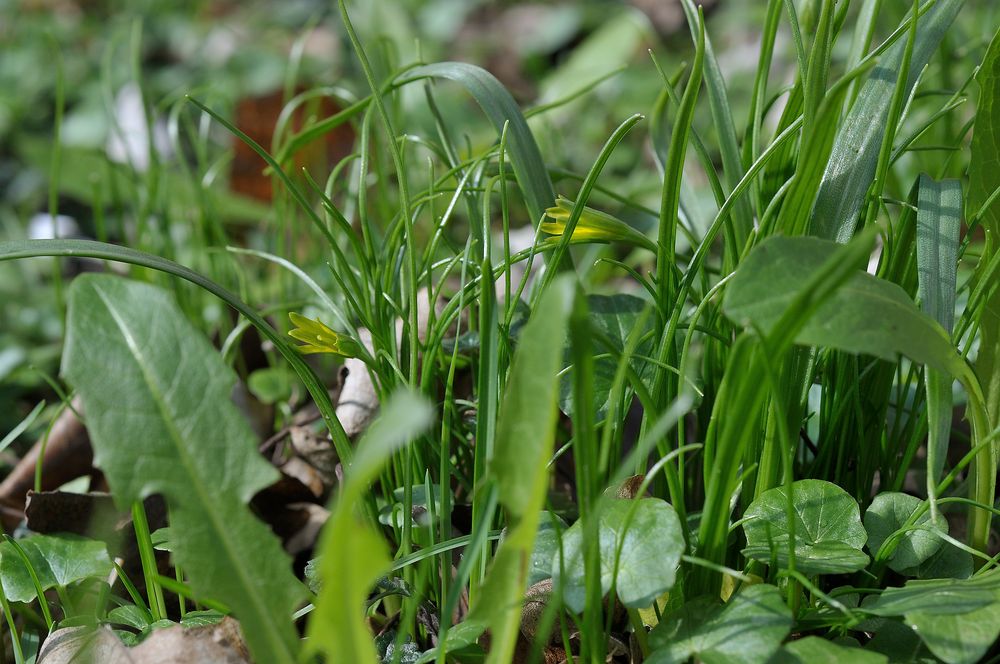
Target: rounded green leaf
(57,560)
(816,650)
(650,543)
(939,596)
(827,526)
(747,630)
(546,546)
(887,514)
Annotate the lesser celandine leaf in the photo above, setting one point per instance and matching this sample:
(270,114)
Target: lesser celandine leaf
(816,650)
(747,630)
(827,528)
(961,638)
(940,596)
(157,398)
(352,554)
(613,317)
(648,535)
(57,560)
(866,315)
(958,620)
(888,513)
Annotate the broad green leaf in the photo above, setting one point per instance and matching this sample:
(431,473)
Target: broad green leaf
(271,384)
(900,644)
(500,107)
(866,315)
(888,513)
(958,638)
(648,535)
(129,615)
(950,562)
(613,44)
(816,650)
(156,396)
(958,620)
(940,596)
(939,220)
(828,530)
(353,555)
(613,318)
(57,560)
(104,251)
(747,630)
(550,528)
(854,159)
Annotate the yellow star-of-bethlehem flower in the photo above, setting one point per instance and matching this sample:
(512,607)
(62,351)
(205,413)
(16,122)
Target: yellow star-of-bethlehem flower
(318,338)
(593,226)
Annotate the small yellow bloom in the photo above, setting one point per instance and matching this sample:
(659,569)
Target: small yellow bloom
(593,226)
(318,338)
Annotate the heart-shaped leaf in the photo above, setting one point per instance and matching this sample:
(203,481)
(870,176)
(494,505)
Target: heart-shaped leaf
(827,525)
(550,526)
(747,630)
(816,650)
(888,513)
(646,538)
(613,318)
(940,596)
(57,560)
(958,638)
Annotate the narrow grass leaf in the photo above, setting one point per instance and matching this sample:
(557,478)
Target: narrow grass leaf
(984,178)
(854,159)
(500,108)
(524,441)
(160,420)
(939,221)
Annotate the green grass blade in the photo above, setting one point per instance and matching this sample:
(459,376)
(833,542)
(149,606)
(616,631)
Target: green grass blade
(855,157)
(984,178)
(722,118)
(160,420)
(939,220)
(500,107)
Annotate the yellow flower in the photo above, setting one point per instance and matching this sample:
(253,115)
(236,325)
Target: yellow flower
(592,226)
(318,338)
